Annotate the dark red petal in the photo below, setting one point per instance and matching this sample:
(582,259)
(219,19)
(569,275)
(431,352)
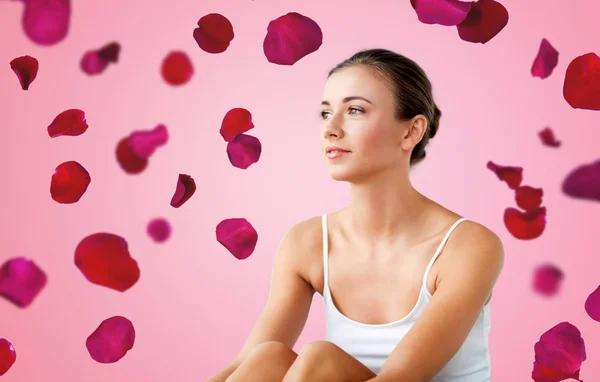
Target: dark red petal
(113,338)
(513,176)
(26,69)
(46,22)
(525,225)
(21,280)
(104,259)
(547,279)
(485,20)
(545,61)
(291,37)
(548,138)
(128,160)
(186,186)
(177,68)
(443,12)
(559,353)
(69,182)
(244,151)
(214,33)
(545,374)
(235,122)
(91,63)
(238,236)
(8,356)
(583,182)
(70,122)
(581,88)
(592,305)
(159,230)
(143,143)
(529,198)
(110,52)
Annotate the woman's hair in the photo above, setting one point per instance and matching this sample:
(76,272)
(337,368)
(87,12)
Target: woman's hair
(409,85)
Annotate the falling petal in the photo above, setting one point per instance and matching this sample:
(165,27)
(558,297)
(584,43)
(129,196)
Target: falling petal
(177,68)
(186,186)
(143,143)
(525,225)
(583,182)
(592,305)
(21,280)
(559,354)
(46,22)
(70,122)
(513,176)
(96,61)
(238,236)
(485,20)
(104,259)
(547,279)
(235,122)
(128,160)
(243,151)
(26,69)
(69,182)
(581,88)
(548,138)
(529,198)
(159,230)
(291,37)
(545,61)
(443,12)
(110,52)
(214,33)
(8,356)
(113,338)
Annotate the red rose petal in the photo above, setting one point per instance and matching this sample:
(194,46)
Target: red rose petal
(110,52)
(548,138)
(8,356)
(513,176)
(545,61)
(186,186)
(96,61)
(70,122)
(592,305)
(559,354)
(214,33)
(26,69)
(143,143)
(243,151)
(21,280)
(443,12)
(104,259)
(113,338)
(485,20)
(159,230)
(529,198)
(235,122)
(238,236)
(128,160)
(177,68)
(583,182)
(46,22)
(525,225)
(547,279)
(69,182)
(581,88)
(291,37)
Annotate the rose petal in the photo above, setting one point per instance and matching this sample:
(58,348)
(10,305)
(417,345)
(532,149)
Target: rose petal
(238,236)
(8,356)
(545,61)
(525,225)
(545,374)
(177,68)
(26,69)
(443,12)
(159,230)
(547,279)
(186,186)
(127,159)
(109,53)
(513,176)
(104,259)
(21,280)
(291,37)
(143,143)
(559,354)
(485,20)
(529,198)
(214,33)
(592,305)
(243,151)
(96,61)
(111,340)
(581,88)
(46,22)
(235,122)
(69,182)
(548,138)
(70,122)
(583,182)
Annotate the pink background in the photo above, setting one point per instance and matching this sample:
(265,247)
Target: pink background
(195,303)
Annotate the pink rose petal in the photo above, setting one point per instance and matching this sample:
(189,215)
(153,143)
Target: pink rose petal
(186,186)
(159,229)
(529,198)
(583,182)
(21,280)
(545,61)
(559,354)
(26,69)
(485,20)
(548,138)
(127,159)
(592,305)
(513,176)
(144,142)
(46,22)
(291,37)
(214,33)
(113,338)
(243,151)
(443,12)
(581,88)
(69,182)
(525,225)
(235,122)
(8,356)
(177,68)
(547,279)
(238,236)
(70,122)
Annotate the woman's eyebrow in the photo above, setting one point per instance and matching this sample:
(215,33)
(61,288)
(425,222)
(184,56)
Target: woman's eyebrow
(348,99)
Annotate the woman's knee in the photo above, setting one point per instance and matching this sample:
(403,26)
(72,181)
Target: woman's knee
(271,350)
(267,361)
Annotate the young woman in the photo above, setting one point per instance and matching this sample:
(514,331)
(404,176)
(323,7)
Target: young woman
(406,282)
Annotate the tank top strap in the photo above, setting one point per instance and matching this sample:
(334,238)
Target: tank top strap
(439,249)
(325,253)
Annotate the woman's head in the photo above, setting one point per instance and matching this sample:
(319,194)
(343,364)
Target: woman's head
(378,105)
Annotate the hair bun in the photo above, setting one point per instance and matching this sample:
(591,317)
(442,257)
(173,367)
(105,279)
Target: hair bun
(435,122)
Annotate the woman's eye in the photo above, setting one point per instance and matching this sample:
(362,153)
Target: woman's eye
(355,109)
(323,114)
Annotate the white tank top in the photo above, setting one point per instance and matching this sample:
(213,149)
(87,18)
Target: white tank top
(371,344)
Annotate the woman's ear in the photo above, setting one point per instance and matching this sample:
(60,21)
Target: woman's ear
(414,132)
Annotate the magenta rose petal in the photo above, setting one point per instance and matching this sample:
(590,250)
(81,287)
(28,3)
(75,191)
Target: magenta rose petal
(545,61)
(592,305)
(143,143)
(104,260)
(91,63)
(127,159)
(547,279)
(186,186)
(70,122)
(583,182)
(581,87)
(243,151)
(21,280)
(177,68)
(513,176)
(111,340)
(291,37)
(443,12)
(214,33)
(485,20)
(235,122)
(69,182)
(548,138)
(26,69)
(8,356)
(159,229)
(46,22)
(525,225)
(559,354)
(238,236)
(529,198)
